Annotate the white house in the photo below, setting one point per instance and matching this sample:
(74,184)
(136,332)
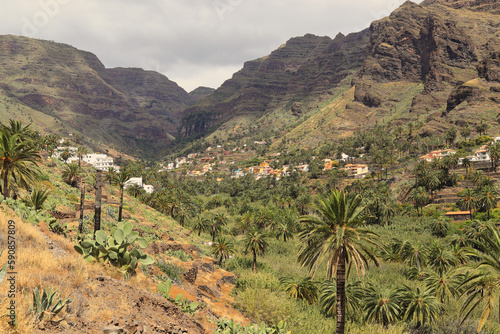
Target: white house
(99,161)
(429,157)
(138,180)
(481,155)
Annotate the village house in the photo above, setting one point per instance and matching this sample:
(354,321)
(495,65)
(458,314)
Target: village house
(458,215)
(138,181)
(99,161)
(357,171)
(303,168)
(237,174)
(438,154)
(480,155)
(206,159)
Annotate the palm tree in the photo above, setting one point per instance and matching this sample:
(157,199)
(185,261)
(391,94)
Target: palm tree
(482,127)
(110,175)
(135,190)
(354,298)
(70,174)
(53,140)
(36,198)
(465,132)
(443,285)
(488,198)
(467,201)
(256,242)
(419,305)
(80,152)
(381,306)
(284,230)
(304,289)
(494,149)
(65,155)
(216,224)
(18,162)
(466,163)
(414,255)
(222,249)
(200,225)
(441,260)
(121,181)
(336,233)
(420,198)
(482,287)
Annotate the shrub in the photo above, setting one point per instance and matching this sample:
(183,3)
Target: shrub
(172,271)
(180,254)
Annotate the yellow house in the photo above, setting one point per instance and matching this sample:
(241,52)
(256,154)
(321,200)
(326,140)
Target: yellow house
(258,170)
(357,171)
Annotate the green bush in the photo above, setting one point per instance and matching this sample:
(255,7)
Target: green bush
(229,327)
(172,271)
(180,254)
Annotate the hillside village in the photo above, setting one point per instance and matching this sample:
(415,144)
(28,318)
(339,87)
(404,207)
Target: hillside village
(214,178)
(343,184)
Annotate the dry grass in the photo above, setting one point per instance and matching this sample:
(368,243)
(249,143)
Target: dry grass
(36,266)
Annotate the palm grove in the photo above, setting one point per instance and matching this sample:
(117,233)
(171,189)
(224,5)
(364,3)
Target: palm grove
(343,246)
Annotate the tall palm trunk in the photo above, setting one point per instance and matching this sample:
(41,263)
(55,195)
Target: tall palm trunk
(254,260)
(341,293)
(6,188)
(120,208)
(82,203)
(98,195)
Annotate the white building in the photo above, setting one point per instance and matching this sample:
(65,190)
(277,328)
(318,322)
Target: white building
(138,180)
(481,155)
(99,161)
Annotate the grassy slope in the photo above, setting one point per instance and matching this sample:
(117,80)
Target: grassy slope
(39,265)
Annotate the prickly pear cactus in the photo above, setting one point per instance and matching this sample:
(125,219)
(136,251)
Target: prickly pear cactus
(117,248)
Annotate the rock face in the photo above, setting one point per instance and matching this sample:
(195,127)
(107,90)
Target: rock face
(63,90)
(423,59)
(303,67)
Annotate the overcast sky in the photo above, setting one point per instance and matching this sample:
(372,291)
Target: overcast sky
(192,42)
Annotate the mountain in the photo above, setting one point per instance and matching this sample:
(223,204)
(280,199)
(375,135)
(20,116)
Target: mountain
(436,63)
(201,92)
(65,90)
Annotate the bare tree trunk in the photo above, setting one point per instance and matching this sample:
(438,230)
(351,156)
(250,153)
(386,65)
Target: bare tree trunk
(341,294)
(82,202)
(98,195)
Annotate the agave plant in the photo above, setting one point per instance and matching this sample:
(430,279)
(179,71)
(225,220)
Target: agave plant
(47,303)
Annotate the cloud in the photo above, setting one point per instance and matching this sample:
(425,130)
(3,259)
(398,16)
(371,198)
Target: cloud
(194,42)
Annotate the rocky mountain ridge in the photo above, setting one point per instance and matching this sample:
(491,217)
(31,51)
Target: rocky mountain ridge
(65,90)
(435,62)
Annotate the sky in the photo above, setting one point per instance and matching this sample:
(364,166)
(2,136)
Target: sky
(193,42)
